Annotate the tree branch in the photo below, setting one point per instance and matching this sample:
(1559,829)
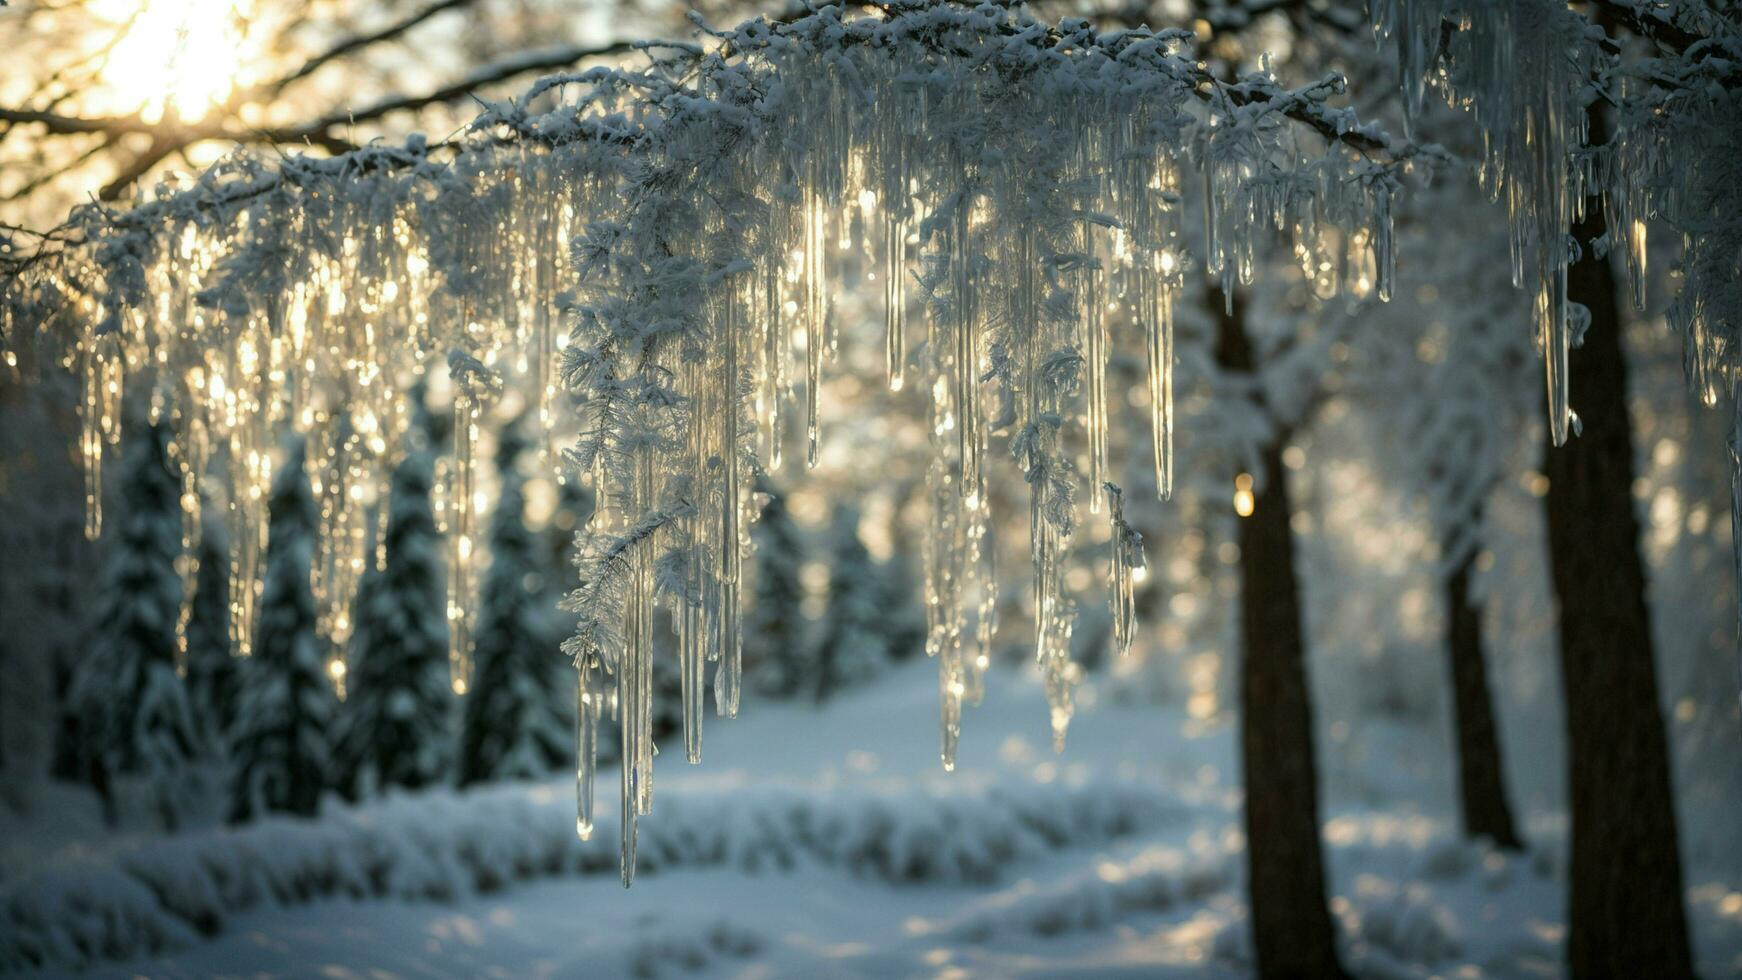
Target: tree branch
(63,125)
(1647,24)
(361,41)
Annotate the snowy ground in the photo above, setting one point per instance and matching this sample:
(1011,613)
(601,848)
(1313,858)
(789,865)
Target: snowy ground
(823,843)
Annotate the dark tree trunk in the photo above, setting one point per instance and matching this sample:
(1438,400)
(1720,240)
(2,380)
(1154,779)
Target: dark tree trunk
(1292,934)
(1625,913)
(1481,777)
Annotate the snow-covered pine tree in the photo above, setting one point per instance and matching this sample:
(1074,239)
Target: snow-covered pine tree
(852,644)
(775,650)
(133,707)
(397,722)
(280,740)
(510,729)
(903,616)
(214,676)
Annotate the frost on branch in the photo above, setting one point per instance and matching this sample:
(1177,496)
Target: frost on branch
(677,232)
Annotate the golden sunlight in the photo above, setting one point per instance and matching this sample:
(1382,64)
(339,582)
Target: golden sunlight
(180,56)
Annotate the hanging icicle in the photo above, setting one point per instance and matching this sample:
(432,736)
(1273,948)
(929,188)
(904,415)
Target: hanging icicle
(473,385)
(1127,564)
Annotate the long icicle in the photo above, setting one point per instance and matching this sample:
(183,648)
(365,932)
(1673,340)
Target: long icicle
(1158,316)
(895,297)
(726,684)
(692,621)
(816,309)
(586,748)
(967,400)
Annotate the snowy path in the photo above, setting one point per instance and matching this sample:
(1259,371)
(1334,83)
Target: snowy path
(1153,894)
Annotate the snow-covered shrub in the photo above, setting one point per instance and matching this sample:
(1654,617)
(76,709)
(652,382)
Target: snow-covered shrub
(656,955)
(443,845)
(1407,924)
(1155,880)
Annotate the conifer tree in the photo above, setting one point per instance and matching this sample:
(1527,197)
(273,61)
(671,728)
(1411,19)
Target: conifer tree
(280,742)
(133,707)
(853,645)
(214,676)
(397,728)
(510,729)
(902,615)
(774,627)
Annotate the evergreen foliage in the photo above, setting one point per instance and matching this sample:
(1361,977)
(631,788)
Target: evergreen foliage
(510,728)
(774,627)
(903,616)
(214,676)
(280,746)
(397,727)
(133,708)
(853,643)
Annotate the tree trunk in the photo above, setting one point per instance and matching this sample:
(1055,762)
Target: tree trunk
(1625,913)
(1292,935)
(1481,777)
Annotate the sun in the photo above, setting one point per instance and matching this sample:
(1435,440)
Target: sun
(179,57)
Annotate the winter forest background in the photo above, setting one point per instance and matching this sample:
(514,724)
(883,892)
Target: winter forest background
(1506,645)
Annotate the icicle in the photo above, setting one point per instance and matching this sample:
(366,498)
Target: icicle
(1095,335)
(1551,309)
(726,684)
(586,749)
(775,388)
(1385,258)
(1214,261)
(100,421)
(187,449)
(816,312)
(628,698)
(1159,319)
(1637,260)
(691,621)
(1127,548)
(967,354)
(635,679)
(692,663)
(460,540)
(250,465)
(473,382)
(895,298)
